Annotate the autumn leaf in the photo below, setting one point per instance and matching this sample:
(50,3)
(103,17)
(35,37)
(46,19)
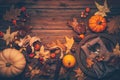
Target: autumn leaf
(102,9)
(45,54)
(33,72)
(74,23)
(116,50)
(79,74)
(69,43)
(114,25)
(13,13)
(8,36)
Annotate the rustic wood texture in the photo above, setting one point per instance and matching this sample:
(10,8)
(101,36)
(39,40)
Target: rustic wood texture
(49,17)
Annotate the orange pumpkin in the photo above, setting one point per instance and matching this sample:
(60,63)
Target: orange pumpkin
(97,23)
(69,61)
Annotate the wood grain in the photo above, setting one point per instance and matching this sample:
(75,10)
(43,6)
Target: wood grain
(48,36)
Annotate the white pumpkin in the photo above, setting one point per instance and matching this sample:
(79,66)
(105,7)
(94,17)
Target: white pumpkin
(12,62)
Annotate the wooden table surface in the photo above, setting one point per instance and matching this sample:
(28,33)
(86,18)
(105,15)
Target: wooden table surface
(49,17)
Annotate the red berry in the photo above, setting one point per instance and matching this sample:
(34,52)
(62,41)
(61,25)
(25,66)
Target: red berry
(31,55)
(52,55)
(23,9)
(1,34)
(87,9)
(41,59)
(14,21)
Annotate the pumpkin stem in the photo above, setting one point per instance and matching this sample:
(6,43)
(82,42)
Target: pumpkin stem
(99,22)
(8,64)
(69,63)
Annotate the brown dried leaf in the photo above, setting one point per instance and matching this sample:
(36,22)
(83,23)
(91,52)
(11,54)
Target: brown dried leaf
(77,27)
(33,72)
(114,25)
(89,62)
(13,13)
(79,74)
(69,43)
(116,50)
(74,23)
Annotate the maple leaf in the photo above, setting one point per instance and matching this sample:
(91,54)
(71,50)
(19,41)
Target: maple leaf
(76,26)
(45,54)
(33,71)
(116,50)
(103,9)
(79,74)
(8,36)
(69,43)
(74,23)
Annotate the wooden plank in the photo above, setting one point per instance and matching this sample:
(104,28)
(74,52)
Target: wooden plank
(50,24)
(57,2)
(59,7)
(50,38)
(53,32)
(46,22)
(51,27)
(62,4)
(56,13)
(47,36)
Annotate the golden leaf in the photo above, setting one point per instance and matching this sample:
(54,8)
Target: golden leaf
(42,49)
(103,9)
(9,37)
(69,43)
(45,54)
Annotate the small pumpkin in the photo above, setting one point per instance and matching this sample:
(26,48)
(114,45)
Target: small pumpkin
(97,23)
(12,62)
(69,61)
